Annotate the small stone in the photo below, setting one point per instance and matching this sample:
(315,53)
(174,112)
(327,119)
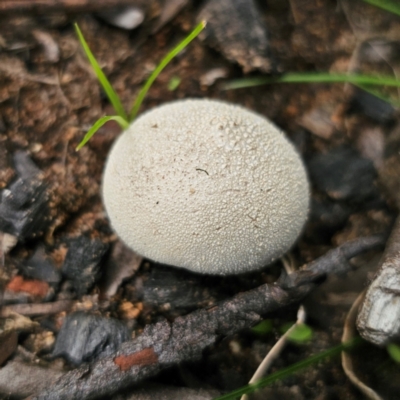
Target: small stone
(50,48)
(326,217)
(129,17)
(85,337)
(211,76)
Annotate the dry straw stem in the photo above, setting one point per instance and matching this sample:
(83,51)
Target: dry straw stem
(169,343)
(279,346)
(276,350)
(349,333)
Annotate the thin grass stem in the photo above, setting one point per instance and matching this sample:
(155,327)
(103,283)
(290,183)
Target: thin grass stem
(98,124)
(387,5)
(164,62)
(111,94)
(357,79)
(290,370)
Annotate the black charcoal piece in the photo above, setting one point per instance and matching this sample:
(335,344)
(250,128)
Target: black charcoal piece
(373,107)
(82,262)
(326,217)
(178,289)
(86,337)
(344,175)
(235,28)
(24,210)
(40,267)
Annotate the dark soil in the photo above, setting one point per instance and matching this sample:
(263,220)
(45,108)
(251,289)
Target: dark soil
(69,256)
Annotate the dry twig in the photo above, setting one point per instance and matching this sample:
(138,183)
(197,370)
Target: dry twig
(57,5)
(165,344)
(36,309)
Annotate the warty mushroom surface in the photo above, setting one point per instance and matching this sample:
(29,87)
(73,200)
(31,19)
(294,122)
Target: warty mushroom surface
(207,186)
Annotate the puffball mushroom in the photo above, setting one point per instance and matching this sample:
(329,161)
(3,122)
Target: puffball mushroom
(207,186)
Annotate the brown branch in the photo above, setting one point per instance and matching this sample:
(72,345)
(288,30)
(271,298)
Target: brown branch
(165,344)
(379,317)
(36,309)
(62,5)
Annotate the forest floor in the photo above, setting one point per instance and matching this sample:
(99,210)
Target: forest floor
(59,257)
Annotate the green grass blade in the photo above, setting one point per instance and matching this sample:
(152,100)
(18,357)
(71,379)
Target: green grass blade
(387,5)
(111,94)
(98,124)
(394,352)
(173,83)
(377,93)
(290,370)
(362,81)
(164,62)
(357,79)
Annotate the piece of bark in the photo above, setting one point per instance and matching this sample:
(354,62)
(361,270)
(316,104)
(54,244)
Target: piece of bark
(235,28)
(57,5)
(319,122)
(379,318)
(165,344)
(170,9)
(22,379)
(8,344)
(122,264)
(371,144)
(163,392)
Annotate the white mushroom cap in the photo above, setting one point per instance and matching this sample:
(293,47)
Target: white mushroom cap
(207,186)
